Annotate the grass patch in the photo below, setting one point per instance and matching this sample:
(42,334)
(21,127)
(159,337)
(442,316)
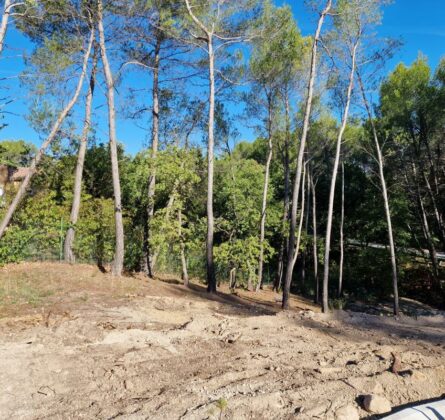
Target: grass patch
(21,290)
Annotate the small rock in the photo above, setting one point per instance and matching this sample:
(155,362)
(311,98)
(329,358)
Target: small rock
(307,314)
(396,366)
(378,388)
(347,412)
(376,404)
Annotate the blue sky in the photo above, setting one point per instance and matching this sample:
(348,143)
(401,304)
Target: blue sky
(419,24)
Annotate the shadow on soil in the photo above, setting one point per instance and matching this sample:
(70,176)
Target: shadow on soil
(231,304)
(386,329)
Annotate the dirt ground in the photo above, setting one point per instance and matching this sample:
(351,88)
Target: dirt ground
(78,344)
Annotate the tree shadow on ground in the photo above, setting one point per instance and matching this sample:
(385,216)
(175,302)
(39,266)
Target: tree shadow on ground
(230,304)
(354,326)
(361,327)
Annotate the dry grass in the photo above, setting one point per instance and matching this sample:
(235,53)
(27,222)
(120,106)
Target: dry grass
(36,288)
(31,287)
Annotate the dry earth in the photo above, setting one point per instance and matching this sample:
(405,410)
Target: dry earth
(75,343)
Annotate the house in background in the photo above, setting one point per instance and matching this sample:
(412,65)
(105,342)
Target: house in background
(11,176)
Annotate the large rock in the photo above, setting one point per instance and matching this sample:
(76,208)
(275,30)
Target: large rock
(376,404)
(347,412)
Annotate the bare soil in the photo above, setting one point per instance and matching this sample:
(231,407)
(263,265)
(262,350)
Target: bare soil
(77,343)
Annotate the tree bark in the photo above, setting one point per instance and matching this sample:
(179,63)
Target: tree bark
(4,23)
(300,226)
(185,275)
(342,223)
(154,153)
(306,228)
(232,281)
(429,239)
(297,182)
(55,129)
(77,193)
(284,240)
(325,305)
(427,231)
(437,214)
(211,277)
(392,248)
(265,193)
(118,263)
(314,236)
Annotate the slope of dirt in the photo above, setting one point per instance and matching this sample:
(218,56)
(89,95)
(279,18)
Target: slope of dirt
(97,347)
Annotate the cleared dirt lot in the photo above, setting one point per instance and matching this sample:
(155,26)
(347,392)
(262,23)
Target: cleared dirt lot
(76,343)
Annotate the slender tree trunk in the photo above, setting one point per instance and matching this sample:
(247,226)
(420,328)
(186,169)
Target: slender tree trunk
(4,23)
(211,277)
(185,275)
(438,216)
(314,236)
(265,193)
(232,281)
(250,278)
(428,237)
(306,229)
(392,248)
(297,182)
(118,263)
(55,129)
(300,226)
(342,223)
(284,239)
(154,153)
(334,180)
(168,209)
(427,231)
(77,193)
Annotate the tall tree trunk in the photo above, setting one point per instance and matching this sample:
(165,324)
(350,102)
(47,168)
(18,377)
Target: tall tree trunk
(77,192)
(430,242)
(392,248)
(211,277)
(284,239)
(426,230)
(185,275)
(306,228)
(154,153)
(55,129)
(4,23)
(300,226)
(118,263)
(342,223)
(437,214)
(334,180)
(314,236)
(297,182)
(265,193)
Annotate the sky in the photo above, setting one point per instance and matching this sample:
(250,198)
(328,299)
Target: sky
(418,23)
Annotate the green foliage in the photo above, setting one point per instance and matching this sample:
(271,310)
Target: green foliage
(409,121)
(39,229)
(16,153)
